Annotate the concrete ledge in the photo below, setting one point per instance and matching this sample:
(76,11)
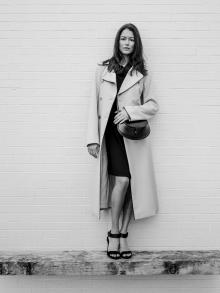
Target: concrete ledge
(88,263)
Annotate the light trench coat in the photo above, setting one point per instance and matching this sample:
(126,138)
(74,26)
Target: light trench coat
(142,182)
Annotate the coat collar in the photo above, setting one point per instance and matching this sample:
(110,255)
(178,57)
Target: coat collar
(128,81)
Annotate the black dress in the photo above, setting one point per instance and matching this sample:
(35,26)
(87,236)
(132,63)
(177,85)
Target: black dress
(116,152)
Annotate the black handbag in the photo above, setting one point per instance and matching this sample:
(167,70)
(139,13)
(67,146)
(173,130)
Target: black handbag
(134,130)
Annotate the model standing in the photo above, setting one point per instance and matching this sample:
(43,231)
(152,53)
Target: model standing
(124,179)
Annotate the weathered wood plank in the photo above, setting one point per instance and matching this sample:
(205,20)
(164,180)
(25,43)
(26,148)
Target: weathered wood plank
(73,263)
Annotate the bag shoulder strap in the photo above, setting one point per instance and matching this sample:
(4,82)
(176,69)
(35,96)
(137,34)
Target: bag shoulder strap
(142,98)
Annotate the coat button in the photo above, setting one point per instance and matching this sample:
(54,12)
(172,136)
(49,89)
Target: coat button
(99,116)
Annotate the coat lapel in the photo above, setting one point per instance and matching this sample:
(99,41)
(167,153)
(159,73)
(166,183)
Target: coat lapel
(128,81)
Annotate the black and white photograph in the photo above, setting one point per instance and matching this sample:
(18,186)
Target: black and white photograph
(109,146)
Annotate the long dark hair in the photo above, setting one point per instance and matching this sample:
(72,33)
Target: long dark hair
(135,58)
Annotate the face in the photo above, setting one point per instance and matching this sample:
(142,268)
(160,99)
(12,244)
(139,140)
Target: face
(126,42)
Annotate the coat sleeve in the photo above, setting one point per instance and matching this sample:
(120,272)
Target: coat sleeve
(92,135)
(150,106)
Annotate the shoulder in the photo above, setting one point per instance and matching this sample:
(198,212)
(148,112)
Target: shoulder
(148,76)
(99,69)
(147,79)
(99,66)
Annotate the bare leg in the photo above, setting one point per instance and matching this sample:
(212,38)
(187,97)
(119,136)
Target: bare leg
(128,213)
(117,201)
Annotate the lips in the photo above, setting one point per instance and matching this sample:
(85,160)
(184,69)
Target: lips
(126,48)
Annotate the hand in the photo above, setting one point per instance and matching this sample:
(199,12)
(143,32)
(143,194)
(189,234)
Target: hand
(121,116)
(93,149)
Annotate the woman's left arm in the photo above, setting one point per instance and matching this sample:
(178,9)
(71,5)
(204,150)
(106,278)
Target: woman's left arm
(150,106)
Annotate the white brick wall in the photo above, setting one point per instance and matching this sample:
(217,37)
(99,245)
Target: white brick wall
(48,54)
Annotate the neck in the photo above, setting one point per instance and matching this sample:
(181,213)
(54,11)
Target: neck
(124,60)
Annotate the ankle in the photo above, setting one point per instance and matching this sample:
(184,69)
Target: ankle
(114,230)
(123,231)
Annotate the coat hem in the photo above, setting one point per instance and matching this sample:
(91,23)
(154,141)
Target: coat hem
(139,217)
(145,216)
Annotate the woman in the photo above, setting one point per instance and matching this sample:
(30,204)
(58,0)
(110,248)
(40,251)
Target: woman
(124,179)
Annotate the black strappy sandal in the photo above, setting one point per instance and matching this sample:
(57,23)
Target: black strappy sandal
(127,253)
(114,254)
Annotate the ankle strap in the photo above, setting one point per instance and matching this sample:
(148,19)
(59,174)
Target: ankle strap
(113,235)
(124,235)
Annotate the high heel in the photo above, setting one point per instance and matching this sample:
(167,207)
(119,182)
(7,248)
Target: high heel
(114,254)
(126,253)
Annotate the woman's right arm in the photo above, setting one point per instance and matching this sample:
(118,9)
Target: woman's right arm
(92,139)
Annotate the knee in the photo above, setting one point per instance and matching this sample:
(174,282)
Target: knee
(122,182)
